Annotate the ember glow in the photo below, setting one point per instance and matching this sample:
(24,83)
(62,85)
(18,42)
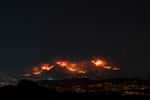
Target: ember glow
(82,72)
(98,62)
(73,67)
(108,67)
(62,63)
(40,69)
(47,67)
(36,71)
(76,67)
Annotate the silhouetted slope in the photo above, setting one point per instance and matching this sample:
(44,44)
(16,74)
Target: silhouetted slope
(77,87)
(26,88)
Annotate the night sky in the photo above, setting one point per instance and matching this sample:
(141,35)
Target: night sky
(32,32)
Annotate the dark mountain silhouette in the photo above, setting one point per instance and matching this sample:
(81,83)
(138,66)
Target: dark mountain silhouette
(26,88)
(46,88)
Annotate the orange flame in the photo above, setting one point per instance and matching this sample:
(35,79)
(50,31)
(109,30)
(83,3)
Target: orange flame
(47,67)
(61,63)
(81,67)
(98,62)
(71,67)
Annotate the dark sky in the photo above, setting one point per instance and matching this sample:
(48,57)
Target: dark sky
(36,31)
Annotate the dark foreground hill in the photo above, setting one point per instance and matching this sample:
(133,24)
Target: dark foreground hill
(77,87)
(26,88)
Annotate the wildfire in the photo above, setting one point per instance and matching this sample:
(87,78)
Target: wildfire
(98,62)
(43,67)
(71,66)
(81,67)
(46,67)
(62,63)
(71,69)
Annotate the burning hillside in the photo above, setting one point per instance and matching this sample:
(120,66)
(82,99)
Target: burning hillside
(85,67)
